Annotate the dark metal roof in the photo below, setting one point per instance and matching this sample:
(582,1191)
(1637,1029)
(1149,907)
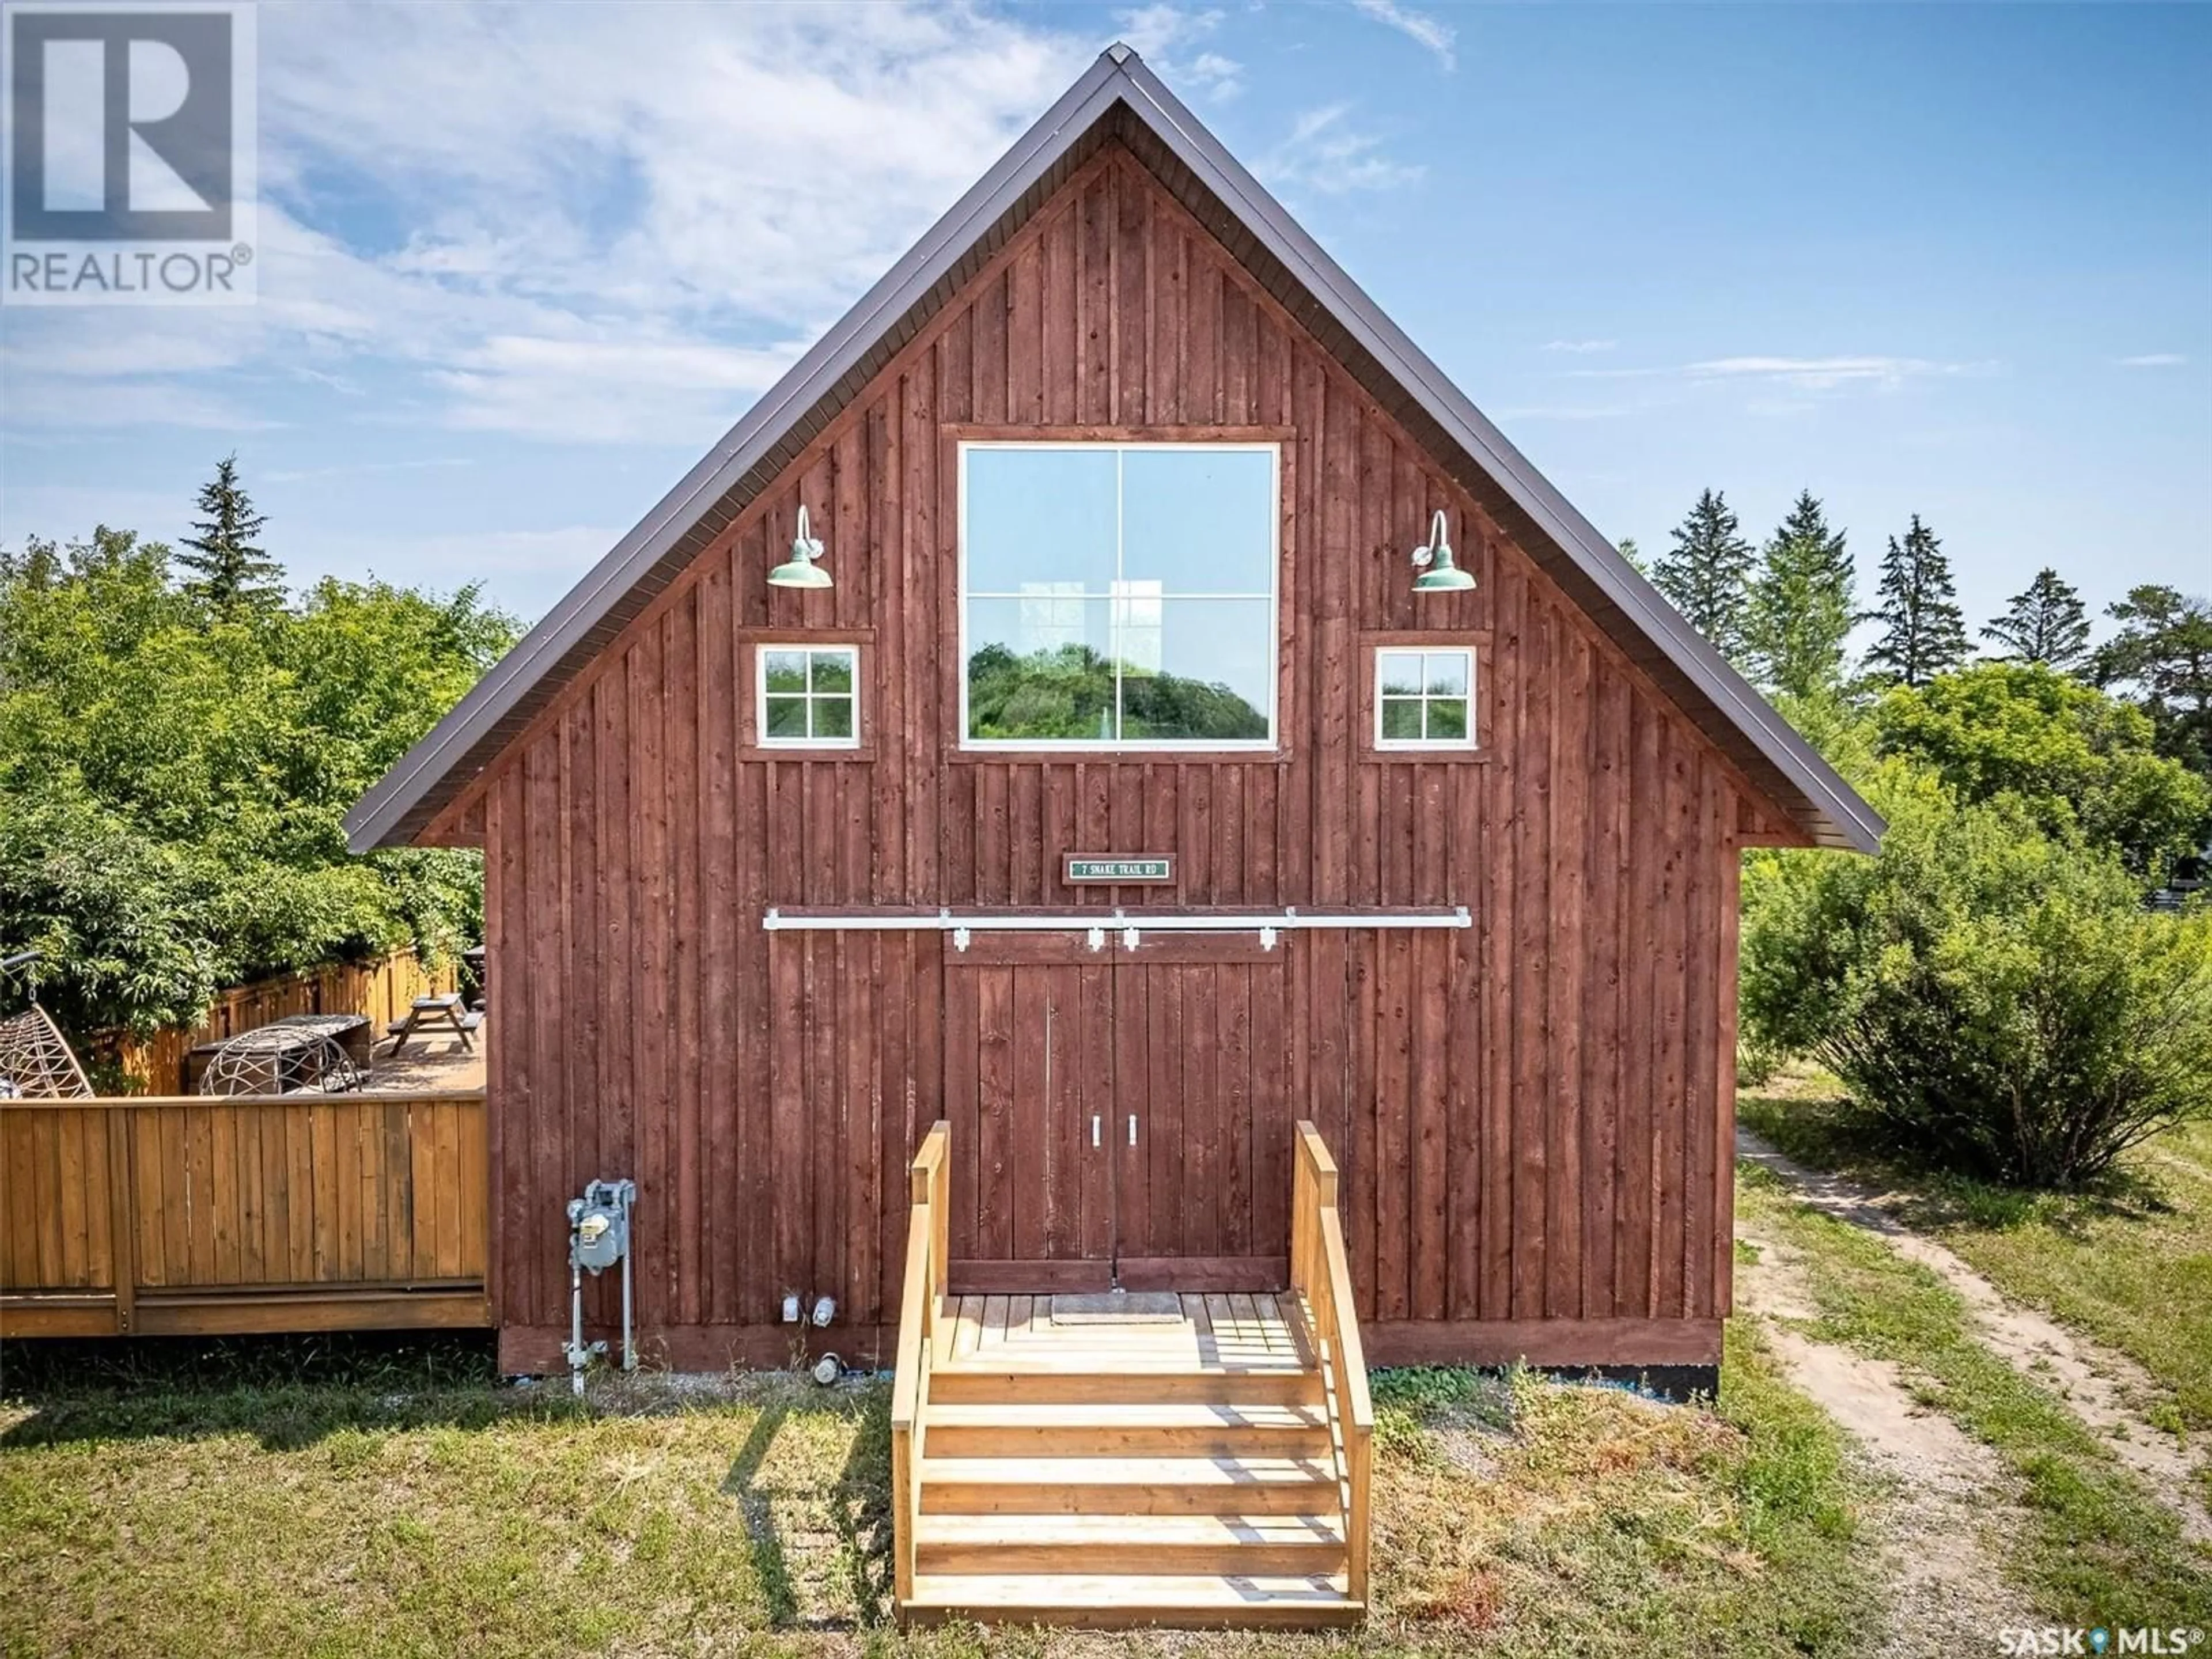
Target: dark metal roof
(1116,99)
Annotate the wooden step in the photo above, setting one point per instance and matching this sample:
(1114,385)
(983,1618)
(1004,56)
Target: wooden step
(1234,1546)
(1117,1429)
(1123,1600)
(1127,1485)
(967,1384)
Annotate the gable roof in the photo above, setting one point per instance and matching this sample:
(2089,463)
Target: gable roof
(1117,99)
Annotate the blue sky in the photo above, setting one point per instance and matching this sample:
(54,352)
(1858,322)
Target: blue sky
(520,266)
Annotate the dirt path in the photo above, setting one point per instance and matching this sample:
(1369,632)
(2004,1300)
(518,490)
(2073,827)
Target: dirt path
(2096,1383)
(1941,1497)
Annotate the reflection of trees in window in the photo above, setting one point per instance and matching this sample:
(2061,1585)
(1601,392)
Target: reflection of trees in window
(1066,692)
(1421,697)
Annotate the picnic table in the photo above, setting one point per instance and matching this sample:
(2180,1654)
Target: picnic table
(288,1055)
(446,1012)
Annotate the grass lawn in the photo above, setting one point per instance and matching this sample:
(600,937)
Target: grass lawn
(2130,1264)
(302,1498)
(2096,1546)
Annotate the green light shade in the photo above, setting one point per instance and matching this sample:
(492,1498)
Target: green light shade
(800,570)
(1444,577)
(1433,559)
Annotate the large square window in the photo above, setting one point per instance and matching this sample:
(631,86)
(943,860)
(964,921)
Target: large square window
(1118,595)
(810,697)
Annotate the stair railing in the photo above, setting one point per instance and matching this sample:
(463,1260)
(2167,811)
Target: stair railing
(1321,1275)
(919,1307)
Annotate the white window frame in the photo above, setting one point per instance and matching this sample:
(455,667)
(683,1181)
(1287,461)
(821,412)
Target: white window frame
(1472,740)
(1268,746)
(762,652)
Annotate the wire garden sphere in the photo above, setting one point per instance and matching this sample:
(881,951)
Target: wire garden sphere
(272,1061)
(36,1062)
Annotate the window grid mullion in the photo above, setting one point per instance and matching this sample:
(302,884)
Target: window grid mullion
(1121,588)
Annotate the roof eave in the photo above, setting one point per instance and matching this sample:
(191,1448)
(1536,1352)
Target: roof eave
(1839,811)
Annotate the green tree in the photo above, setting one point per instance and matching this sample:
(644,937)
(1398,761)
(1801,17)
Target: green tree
(2044,624)
(2073,758)
(1068,691)
(1923,630)
(1801,605)
(1706,573)
(173,787)
(230,572)
(2163,654)
(1634,554)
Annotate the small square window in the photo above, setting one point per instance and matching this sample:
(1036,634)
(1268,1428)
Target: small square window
(1425,699)
(810,697)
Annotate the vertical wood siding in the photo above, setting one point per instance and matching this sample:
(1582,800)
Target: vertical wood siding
(1530,1115)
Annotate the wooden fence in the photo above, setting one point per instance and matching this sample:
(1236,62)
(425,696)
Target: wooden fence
(289,1213)
(379,989)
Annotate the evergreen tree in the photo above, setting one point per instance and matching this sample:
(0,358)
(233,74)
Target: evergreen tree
(1924,632)
(2046,624)
(225,567)
(2164,652)
(1634,554)
(1801,607)
(1706,573)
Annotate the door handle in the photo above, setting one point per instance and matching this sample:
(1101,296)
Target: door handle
(1132,1128)
(1094,1132)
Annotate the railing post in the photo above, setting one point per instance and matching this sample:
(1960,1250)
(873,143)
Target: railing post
(1321,1272)
(927,1191)
(940,1221)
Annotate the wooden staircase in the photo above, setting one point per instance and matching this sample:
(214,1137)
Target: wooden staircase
(1206,1471)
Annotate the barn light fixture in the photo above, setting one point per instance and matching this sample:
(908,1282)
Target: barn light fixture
(1433,559)
(801,570)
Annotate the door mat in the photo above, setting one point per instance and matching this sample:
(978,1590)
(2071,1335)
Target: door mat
(1118,1308)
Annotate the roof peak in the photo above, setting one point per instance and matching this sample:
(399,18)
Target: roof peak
(1118,97)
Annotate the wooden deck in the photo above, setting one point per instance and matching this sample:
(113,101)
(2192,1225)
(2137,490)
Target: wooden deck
(1208,1469)
(1231,1333)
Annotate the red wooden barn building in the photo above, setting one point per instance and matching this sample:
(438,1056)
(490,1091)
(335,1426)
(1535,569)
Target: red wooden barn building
(1124,795)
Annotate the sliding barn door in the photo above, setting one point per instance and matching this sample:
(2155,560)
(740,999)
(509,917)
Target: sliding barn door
(1202,1092)
(1118,1116)
(1028,1067)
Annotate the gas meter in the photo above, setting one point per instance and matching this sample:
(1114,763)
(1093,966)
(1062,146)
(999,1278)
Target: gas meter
(598,1238)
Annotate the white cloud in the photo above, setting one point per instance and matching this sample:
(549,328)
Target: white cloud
(1325,152)
(528,570)
(2153,360)
(360,469)
(1802,373)
(614,386)
(1563,413)
(1163,34)
(1823,373)
(612,224)
(1580,347)
(1438,36)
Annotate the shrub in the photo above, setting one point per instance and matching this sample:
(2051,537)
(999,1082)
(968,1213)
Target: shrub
(2075,758)
(1995,997)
